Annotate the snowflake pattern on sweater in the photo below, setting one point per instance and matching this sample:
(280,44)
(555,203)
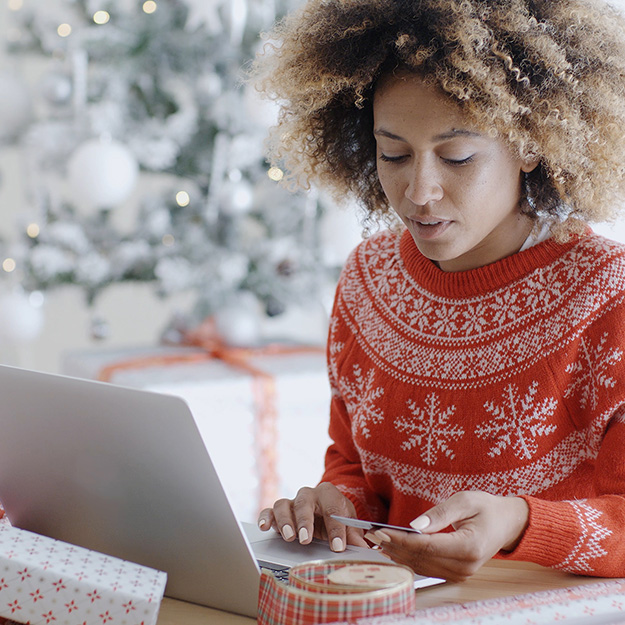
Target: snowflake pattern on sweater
(508,379)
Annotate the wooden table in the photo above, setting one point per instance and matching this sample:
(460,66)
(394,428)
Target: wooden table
(495,579)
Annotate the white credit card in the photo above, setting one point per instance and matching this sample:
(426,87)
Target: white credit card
(371,525)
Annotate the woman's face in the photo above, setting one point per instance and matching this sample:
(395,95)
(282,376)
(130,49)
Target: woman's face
(456,189)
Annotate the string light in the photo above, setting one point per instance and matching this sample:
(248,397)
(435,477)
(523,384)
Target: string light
(64,30)
(16,5)
(275,173)
(9,265)
(182,198)
(168,240)
(149,7)
(32,230)
(101,17)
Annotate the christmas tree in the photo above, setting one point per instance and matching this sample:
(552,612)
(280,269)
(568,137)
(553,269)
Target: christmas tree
(145,155)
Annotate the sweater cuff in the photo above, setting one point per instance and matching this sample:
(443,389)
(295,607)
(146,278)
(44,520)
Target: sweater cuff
(550,535)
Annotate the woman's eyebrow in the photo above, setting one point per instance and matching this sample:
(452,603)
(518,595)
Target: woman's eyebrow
(451,134)
(386,133)
(456,132)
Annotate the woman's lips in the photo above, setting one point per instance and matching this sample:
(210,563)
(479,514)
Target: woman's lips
(429,228)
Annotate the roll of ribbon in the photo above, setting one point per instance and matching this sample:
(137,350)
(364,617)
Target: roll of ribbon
(327,591)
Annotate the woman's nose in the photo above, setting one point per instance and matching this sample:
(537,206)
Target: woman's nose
(424,185)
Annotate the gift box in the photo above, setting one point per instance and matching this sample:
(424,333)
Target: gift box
(263,418)
(47,581)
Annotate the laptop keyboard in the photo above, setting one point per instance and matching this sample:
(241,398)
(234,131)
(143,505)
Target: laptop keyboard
(281,573)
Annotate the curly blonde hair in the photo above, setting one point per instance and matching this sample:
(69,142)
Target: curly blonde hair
(546,75)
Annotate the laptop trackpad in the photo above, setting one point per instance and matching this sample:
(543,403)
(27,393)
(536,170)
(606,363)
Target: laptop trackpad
(270,547)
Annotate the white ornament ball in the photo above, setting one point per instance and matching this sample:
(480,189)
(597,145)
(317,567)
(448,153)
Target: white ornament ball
(20,321)
(102,174)
(16,108)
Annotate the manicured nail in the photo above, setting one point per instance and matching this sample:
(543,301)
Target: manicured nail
(370,536)
(303,535)
(420,523)
(382,537)
(262,523)
(287,532)
(337,544)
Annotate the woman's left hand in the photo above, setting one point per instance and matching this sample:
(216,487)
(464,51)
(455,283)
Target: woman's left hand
(483,525)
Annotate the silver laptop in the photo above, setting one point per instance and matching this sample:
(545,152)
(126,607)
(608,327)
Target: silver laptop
(125,472)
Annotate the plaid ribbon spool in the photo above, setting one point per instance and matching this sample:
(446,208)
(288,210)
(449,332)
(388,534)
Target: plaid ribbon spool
(311,598)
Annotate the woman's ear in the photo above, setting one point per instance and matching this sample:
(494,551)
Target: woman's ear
(528,165)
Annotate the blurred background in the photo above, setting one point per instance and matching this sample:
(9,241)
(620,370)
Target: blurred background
(135,197)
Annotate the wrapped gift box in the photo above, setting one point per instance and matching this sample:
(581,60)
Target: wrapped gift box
(258,457)
(47,581)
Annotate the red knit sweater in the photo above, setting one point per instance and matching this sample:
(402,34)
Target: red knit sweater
(508,379)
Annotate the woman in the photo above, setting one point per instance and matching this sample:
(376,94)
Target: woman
(476,347)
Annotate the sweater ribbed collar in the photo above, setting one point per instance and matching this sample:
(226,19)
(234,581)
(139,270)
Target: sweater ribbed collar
(475,282)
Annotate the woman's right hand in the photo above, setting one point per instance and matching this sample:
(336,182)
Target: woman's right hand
(308,516)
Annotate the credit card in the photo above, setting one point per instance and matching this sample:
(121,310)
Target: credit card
(371,525)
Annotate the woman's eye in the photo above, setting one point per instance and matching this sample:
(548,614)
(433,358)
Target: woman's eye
(456,162)
(391,159)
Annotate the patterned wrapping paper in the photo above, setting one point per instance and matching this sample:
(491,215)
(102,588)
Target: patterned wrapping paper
(309,600)
(601,602)
(45,581)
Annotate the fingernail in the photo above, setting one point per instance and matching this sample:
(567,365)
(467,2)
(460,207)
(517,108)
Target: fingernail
(337,544)
(420,523)
(262,523)
(373,538)
(303,535)
(382,537)
(287,532)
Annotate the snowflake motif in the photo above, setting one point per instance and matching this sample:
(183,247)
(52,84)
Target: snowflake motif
(421,312)
(360,398)
(517,422)
(475,319)
(379,261)
(445,319)
(541,290)
(590,371)
(587,547)
(429,429)
(402,297)
(506,308)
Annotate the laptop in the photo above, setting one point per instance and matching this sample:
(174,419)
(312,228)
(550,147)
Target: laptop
(125,472)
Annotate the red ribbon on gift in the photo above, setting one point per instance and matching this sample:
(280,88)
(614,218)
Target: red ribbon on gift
(264,392)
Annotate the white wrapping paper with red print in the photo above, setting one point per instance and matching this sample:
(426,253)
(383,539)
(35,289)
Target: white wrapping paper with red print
(45,581)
